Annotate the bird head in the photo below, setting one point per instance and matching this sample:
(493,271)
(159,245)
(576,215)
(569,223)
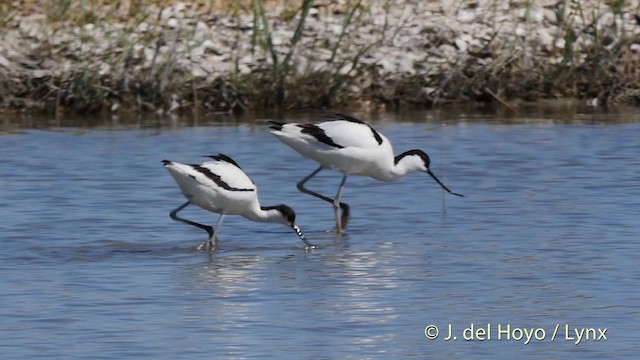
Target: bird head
(418,160)
(287,216)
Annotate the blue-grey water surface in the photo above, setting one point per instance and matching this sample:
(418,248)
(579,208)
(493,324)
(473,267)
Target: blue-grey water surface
(91,265)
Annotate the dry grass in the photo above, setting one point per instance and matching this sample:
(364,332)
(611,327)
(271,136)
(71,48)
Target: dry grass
(607,73)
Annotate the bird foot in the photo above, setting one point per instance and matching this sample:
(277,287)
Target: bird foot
(208,246)
(308,248)
(336,231)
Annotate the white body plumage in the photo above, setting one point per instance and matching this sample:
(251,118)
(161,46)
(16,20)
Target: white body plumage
(352,147)
(220,186)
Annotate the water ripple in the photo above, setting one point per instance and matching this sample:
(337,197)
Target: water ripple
(92,265)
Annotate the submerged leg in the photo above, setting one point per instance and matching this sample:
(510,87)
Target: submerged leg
(335,202)
(214,238)
(174,216)
(212,243)
(341,221)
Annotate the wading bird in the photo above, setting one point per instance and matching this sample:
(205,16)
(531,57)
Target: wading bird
(220,186)
(352,147)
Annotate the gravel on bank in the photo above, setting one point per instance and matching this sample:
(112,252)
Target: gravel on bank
(221,56)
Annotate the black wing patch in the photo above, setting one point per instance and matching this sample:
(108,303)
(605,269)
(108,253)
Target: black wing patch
(358,121)
(319,134)
(216,178)
(225,158)
(338,116)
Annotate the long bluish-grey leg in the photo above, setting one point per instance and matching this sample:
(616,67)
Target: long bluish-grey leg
(341,221)
(174,216)
(214,238)
(304,181)
(343,206)
(212,243)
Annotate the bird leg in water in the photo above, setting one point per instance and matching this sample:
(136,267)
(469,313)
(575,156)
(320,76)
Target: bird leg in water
(174,216)
(212,243)
(341,221)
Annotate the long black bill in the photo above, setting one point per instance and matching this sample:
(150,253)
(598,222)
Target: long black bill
(441,184)
(298,231)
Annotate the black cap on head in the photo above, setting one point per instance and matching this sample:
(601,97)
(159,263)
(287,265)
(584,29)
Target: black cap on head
(427,162)
(286,212)
(420,153)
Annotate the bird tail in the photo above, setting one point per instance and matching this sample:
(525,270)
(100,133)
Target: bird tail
(276,125)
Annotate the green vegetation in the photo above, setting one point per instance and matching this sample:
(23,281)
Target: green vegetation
(92,56)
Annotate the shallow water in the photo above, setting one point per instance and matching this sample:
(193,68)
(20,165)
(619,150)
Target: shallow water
(92,266)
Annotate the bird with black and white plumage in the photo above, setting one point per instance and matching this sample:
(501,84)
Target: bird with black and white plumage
(351,147)
(220,186)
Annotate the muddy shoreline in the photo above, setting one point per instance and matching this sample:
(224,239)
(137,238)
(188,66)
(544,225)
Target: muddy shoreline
(242,56)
